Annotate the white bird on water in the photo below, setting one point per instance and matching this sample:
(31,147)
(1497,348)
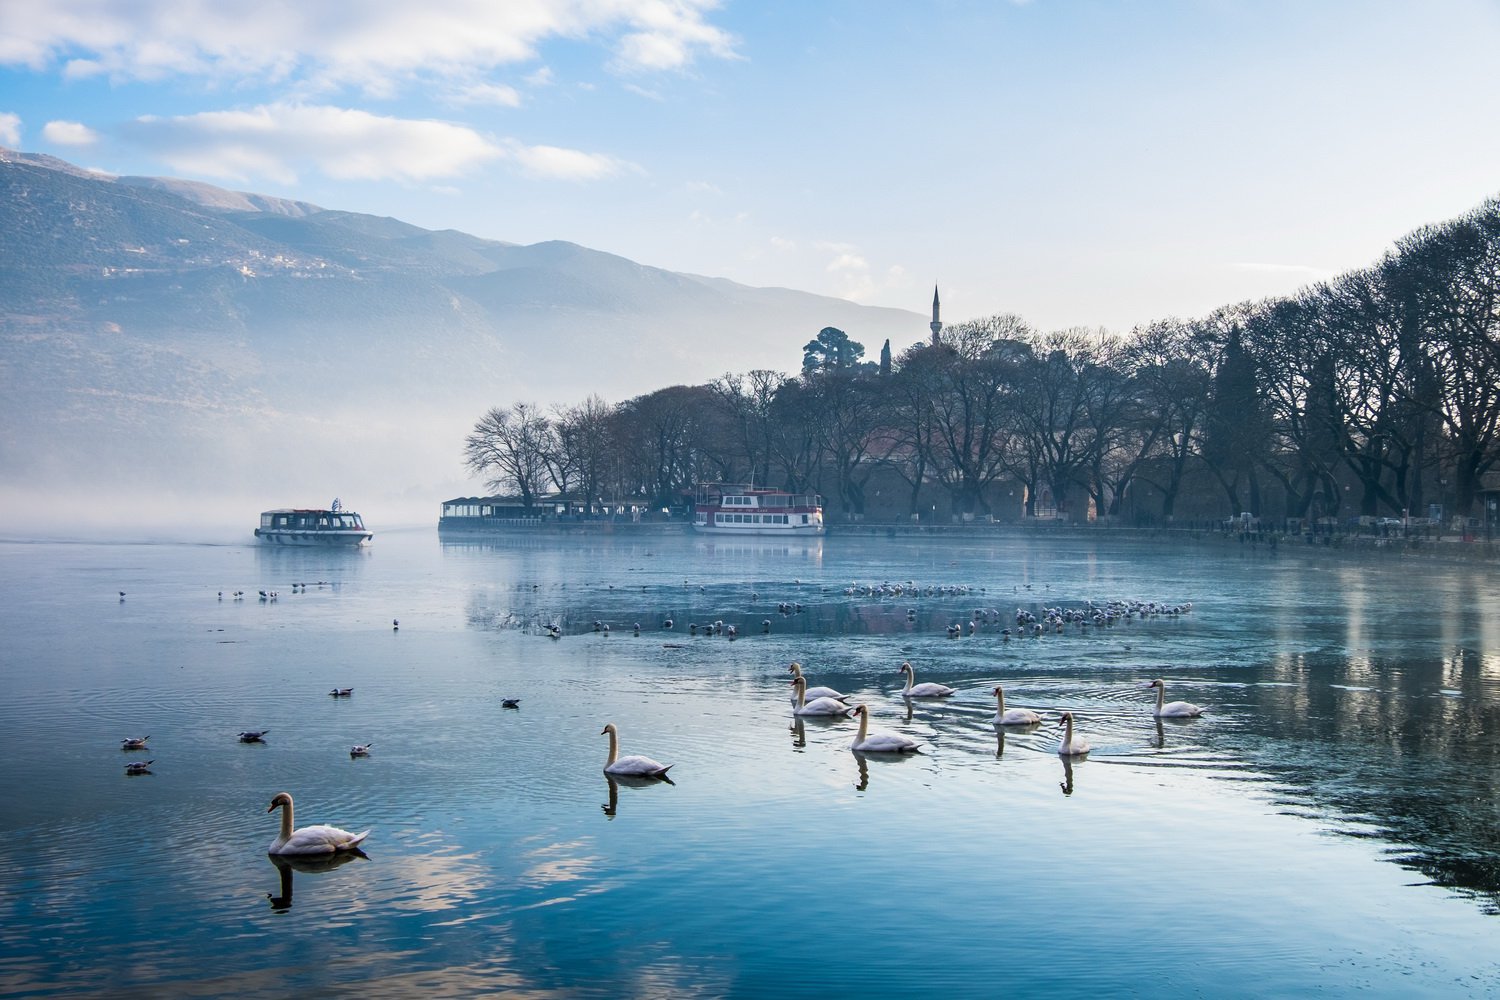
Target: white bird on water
(1013,716)
(1071,746)
(925,690)
(815,692)
(309,839)
(634,764)
(868,742)
(818,706)
(1172,709)
(134,743)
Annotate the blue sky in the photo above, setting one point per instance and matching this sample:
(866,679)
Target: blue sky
(1079,163)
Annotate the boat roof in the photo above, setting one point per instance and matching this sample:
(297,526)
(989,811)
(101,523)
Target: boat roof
(306,510)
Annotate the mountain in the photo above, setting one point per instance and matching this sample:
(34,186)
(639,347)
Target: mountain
(174,344)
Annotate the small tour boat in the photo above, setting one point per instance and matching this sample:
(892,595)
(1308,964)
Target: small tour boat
(733,509)
(297,526)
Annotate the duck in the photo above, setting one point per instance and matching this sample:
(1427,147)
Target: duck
(925,690)
(1071,746)
(818,706)
(360,749)
(1014,716)
(815,692)
(134,743)
(1172,709)
(634,764)
(868,742)
(253,735)
(139,767)
(341,692)
(309,839)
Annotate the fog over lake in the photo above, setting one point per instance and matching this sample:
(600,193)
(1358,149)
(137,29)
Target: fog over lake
(1328,825)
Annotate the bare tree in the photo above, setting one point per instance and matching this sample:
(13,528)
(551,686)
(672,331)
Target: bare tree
(510,446)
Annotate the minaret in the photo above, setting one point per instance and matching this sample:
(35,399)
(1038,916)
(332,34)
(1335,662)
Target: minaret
(936,325)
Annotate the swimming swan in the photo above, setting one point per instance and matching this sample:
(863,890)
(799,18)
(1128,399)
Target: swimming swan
(1172,709)
(1071,746)
(868,742)
(1014,716)
(634,764)
(818,706)
(815,692)
(309,839)
(928,690)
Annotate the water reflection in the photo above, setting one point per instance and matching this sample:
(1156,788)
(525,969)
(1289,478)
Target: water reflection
(614,781)
(1001,731)
(286,864)
(1067,783)
(799,733)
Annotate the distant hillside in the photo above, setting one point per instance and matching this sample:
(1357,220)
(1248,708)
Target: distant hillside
(170,335)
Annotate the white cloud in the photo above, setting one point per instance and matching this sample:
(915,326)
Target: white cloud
(74,134)
(650,95)
(541,78)
(10,129)
(783,245)
(375,45)
(277,141)
(487,93)
(555,163)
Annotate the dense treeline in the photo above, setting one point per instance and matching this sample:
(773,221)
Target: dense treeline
(1360,395)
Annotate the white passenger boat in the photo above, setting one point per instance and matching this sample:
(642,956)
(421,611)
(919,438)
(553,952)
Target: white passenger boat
(298,526)
(732,509)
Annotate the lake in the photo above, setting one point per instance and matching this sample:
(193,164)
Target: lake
(1330,825)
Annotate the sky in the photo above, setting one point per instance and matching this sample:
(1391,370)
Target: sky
(1080,163)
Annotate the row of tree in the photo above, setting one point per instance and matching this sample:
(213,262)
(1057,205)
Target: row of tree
(1381,382)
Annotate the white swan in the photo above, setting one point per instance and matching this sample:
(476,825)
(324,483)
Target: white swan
(815,692)
(309,839)
(634,764)
(1071,746)
(1172,709)
(927,690)
(868,742)
(1014,716)
(818,706)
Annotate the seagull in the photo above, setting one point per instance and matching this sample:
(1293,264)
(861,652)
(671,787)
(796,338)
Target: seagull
(360,750)
(341,692)
(134,743)
(139,767)
(510,702)
(254,735)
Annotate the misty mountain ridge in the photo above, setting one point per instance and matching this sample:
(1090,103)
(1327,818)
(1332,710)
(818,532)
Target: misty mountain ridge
(171,337)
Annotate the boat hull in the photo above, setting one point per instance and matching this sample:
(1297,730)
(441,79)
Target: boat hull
(325,539)
(761,530)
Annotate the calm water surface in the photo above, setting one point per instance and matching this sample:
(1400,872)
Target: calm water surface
(1331,826)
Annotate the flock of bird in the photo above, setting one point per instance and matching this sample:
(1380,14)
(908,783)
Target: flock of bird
(828,702)
(805,700)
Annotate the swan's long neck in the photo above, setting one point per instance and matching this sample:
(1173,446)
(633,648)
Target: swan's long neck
(864,726)
(1161,697)
(1068,733)
(799,692)
(999,702)
(614,747)
(796,669)
(911,675)
(286,820)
